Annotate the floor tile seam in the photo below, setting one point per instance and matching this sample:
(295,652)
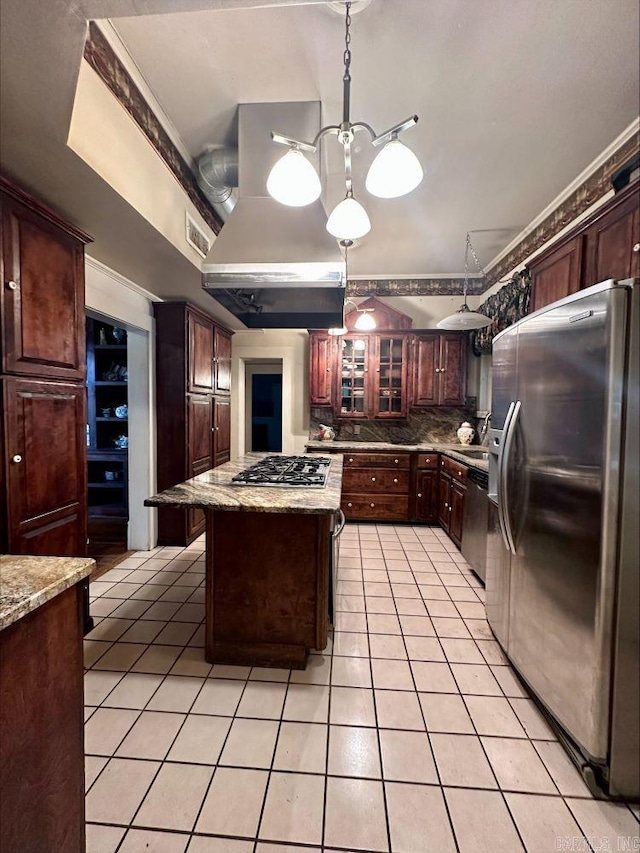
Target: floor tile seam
(215,767)
(273,754)
(148,646)
(323,826)
(432,751)
(379,742)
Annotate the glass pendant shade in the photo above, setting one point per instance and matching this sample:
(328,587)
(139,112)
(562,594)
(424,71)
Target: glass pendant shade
(464,319)
(395,171)
(293,180)
(348,220)
(365,322)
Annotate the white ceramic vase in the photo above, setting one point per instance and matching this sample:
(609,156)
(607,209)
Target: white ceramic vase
(465,433)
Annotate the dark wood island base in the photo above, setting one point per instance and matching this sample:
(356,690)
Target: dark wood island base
(267,587)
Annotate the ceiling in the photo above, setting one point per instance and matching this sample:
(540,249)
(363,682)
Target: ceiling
(515,99)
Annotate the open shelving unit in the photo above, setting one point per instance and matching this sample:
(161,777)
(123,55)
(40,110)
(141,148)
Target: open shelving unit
(107,429)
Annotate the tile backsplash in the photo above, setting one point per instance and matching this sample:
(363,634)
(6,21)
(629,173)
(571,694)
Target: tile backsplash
(438,424)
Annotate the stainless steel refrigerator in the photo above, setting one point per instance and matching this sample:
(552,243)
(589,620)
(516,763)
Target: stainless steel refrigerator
(562,557)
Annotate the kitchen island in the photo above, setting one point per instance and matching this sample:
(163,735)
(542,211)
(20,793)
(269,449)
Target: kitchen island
(41,703)
(268,561)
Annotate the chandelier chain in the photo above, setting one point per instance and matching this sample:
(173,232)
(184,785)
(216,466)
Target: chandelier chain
(347,42)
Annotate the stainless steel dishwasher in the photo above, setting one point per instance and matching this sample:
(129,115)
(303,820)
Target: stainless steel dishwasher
(475,525)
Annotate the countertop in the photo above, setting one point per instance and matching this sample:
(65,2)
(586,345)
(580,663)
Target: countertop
(213,490)
(451,450)
(27,583)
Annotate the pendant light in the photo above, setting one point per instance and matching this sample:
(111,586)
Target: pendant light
(394,172)
(464,318)
(293,180)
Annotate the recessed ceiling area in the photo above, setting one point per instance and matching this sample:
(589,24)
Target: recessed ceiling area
(514,99)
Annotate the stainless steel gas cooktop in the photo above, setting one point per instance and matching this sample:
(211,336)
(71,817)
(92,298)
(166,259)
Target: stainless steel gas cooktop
(308,471)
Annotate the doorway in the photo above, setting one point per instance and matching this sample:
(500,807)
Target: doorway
(264,407)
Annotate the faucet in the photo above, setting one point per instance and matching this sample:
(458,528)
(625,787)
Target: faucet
(484,428)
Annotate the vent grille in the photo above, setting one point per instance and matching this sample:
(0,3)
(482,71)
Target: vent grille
(196,237)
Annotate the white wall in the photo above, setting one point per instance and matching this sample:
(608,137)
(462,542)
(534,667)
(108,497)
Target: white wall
(116,298)
(291,346)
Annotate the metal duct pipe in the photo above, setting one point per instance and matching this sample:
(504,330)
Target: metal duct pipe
(218,177)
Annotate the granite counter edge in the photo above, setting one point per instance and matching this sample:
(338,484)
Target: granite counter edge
(20,605)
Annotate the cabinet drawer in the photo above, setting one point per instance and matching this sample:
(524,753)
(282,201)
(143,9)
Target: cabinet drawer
(377,460)
(455,469)
(427,460)
(376,507)
(374,480)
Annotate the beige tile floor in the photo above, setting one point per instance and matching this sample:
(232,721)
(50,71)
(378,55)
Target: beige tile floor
(409,734)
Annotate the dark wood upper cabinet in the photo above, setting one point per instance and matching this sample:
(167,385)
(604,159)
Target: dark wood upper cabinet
(46,467)
(613,243)
(556,274)
(193,405)
(606,245)
(43,438)
(222,360)
(322,362)
(42,297)
(440,369)
(200,362)
(389,376)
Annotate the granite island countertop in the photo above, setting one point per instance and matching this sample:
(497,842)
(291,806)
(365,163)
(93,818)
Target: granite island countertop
(27,583)
(213,490)
(451,450)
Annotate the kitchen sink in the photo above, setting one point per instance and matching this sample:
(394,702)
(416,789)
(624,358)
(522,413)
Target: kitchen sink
(474,454)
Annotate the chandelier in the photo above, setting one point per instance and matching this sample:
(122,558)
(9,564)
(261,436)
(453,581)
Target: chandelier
(394,172)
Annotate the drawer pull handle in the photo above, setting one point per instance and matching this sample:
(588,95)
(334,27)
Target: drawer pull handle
(12,285)
(437,370)
(427,461)
(636,248)
(459,473)
(351,459)
(395,479)
(396,461)
(449,509)
(446,504)
(349,504)
(371,505)
(419,494)
(17,458)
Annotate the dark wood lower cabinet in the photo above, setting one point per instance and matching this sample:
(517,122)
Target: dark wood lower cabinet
(426,501)
(41,730)
(46,476)
(458,492)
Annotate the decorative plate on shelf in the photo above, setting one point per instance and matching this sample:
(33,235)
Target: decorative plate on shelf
(121,411)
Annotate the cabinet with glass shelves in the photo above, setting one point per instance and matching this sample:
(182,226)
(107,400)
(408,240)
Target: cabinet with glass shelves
(107,419)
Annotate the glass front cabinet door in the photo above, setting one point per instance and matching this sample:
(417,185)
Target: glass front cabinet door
(390,377)
(354,377)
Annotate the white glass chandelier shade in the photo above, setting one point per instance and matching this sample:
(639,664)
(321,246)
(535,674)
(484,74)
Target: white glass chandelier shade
(293,180)
(348,220)
(464,319)
(338,331)
(395,171)
(365,322)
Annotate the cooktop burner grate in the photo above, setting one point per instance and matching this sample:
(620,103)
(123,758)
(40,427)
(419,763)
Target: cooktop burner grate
(307,471)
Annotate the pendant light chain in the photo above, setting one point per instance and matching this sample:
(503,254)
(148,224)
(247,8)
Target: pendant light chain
(394,172)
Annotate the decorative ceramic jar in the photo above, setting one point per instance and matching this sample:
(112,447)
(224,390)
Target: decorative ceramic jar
(466,433)
(327,433)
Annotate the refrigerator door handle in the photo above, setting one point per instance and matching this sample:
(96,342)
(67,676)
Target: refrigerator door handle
(499,493)
(503,477)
